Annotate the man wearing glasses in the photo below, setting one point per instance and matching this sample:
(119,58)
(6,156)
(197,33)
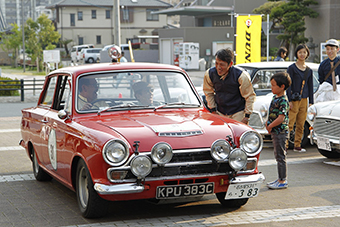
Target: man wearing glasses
(88,88)
(143,93)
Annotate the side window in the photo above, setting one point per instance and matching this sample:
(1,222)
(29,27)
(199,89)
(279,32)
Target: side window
(49,93)
(261,79)
(62,93)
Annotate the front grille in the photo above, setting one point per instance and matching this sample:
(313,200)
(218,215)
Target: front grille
(255,120)
(327,127)
(193,162)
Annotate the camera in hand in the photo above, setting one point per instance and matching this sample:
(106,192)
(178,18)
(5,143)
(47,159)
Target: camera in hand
(296,96)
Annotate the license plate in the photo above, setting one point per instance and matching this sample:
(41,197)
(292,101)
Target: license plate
(176,191)
(239,191)
(324,144)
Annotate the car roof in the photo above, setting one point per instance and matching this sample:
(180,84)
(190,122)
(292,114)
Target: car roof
(107,67)
(275,65)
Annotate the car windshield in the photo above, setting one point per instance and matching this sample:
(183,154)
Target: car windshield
(134,90)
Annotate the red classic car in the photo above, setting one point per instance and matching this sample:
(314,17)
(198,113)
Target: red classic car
(114,132)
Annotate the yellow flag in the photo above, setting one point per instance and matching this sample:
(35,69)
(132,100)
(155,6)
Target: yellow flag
(248,39)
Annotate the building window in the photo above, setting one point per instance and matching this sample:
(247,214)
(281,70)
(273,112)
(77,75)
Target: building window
(73,19)
(99,39)
(81,40)
(126,15)
(150,16)
(108,14)
(80,15)
(94,14)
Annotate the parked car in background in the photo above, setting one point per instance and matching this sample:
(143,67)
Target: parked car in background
(119,148)
(260,74)
(325,130)
(75,52)
(89,55)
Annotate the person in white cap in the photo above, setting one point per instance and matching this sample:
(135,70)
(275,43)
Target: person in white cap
(332,48)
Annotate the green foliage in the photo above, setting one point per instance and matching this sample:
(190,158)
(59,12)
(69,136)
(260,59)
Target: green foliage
(8,83)
(40,35)
(291,15)
(11,41)
(266,8)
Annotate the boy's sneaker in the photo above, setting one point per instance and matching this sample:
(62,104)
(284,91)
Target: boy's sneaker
(278,185)
(299,149)
(273,182)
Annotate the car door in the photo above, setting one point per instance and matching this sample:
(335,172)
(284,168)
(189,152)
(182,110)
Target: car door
(56,156)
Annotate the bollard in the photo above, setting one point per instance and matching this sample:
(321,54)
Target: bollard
(22,90)
(0,72)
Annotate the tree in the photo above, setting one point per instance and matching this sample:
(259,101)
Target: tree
(291,15)
(11,42)
(40,35)
(64,43)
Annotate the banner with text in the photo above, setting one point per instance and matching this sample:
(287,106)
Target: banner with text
(248,39)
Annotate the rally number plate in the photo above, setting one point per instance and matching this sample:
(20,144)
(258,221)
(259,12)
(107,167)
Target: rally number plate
(176,191)
(240,191)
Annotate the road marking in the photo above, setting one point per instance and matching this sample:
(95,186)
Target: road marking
(16,177)
(9,130)
(270,162)
(12,148)
(235,217)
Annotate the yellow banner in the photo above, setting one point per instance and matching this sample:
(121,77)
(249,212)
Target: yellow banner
(248,39)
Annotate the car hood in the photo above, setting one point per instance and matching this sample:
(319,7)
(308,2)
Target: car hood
(330,108)
(180,129)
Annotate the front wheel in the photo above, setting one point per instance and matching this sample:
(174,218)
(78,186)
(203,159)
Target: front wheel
(39,173)
(91,205)
(329,154)
(230,203)
(90,60)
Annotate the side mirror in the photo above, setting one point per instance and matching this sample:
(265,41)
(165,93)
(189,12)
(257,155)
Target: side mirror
(62,114)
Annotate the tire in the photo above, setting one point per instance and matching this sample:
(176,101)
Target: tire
(329,154)
(231,203)
(91,205)
(304,141)
(39,173)
(90,60)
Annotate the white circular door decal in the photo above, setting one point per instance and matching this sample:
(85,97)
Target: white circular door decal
(52,149)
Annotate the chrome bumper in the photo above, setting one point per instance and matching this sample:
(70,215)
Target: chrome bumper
(118,189)
(258,178)
(133,188)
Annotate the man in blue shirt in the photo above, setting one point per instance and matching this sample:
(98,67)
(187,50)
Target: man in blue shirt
(332,48)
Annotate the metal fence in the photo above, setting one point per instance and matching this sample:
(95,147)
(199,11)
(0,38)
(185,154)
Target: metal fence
(22,86)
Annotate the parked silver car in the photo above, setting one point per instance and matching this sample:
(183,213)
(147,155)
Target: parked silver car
(325,130)
(260,74)
(89,55)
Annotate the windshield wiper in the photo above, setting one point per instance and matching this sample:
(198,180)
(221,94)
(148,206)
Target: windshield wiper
(176,104)
(120,107)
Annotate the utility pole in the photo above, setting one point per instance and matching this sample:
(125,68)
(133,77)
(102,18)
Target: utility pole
(23,37)
(116,10)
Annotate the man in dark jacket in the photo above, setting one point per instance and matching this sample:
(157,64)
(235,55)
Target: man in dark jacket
(229,90)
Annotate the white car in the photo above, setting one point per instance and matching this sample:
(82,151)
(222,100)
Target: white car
(260,74)
(325,130)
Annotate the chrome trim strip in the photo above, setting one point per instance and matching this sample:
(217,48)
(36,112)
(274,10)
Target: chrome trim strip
(248,179)
(118,189)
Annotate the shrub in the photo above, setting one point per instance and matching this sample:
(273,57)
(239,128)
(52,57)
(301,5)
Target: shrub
(4,84)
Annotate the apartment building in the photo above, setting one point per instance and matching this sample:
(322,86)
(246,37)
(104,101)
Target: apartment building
(94,21)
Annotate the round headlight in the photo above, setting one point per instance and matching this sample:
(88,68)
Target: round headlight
(311,113)
(220,150)
(161,153)
(115,152)
(251,142)
(237,159)
(263,110)
(141,166)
